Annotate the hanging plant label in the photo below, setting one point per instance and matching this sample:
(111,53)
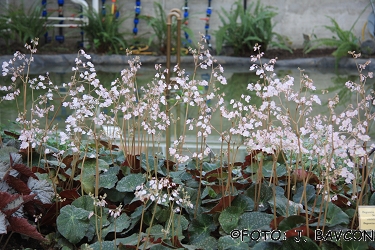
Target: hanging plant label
(366,217)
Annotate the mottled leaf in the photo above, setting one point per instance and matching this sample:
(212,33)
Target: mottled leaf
(25,170)
(301,243)
(309,191)
(285,207)
(22,226)
(227,242)
(130,182)
(73,223)
(3,223)
(243,202)
(43,190)
(117,225)
(109,179)
(17,184)
(254,220)
(229,217)
(85,202)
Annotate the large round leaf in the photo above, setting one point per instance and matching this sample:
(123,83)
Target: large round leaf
(108,179)
(335,216)
(227,242)
(254,220)
(228,219)
(88,172)
(73,223)
(130,182)
(302,243)
(85,202)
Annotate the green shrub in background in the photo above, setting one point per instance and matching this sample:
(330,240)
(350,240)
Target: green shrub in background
(104,33)
(241,29)
(23,25)
(342,40)
(5,33)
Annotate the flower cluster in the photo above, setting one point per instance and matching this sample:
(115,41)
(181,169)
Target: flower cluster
(163,191)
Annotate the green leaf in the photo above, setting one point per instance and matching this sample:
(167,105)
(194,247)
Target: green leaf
(108,179)
(267,245)
(203,224)
(115,196)
(372,199)
(179,176)
(208,191)
(255,220)
(291,222)
(336,216)
(162,214)
(180,224)
(245,203)
(73,223)
(204,241)
(95,220)
(227,242)
(131,240)
(354,245)
(89,166)
(156,230)
(104,245)
(284,207)
(147,163)
(309,192)
(85,202)
(206,166)
(117,225)
(88,183)
(265,194)
(88,172)
(304,243)
(268,169)
(130,182)
(228,218)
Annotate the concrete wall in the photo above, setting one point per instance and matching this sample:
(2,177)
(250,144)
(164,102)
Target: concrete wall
(295,17)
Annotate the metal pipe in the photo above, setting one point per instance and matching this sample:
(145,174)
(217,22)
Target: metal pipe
(178,14)
(95,6)
(78,19)
(83,3)
(64,25)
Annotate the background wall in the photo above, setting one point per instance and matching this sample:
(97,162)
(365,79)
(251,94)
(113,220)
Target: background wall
(295,17)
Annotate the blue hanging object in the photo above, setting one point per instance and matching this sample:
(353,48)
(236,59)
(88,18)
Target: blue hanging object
(103,8)
(186,17)
(137,10)
(207,25)
(44,5)
(60,37)
(47,39)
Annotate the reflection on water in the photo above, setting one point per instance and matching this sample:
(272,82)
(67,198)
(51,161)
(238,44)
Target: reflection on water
(237,78)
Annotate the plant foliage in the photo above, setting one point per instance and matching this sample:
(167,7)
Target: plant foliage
(23,24)
(104,32)
(241,29)
(342,40)
(301,173)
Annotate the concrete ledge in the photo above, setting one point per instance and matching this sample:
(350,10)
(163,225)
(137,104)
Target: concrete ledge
(67,60)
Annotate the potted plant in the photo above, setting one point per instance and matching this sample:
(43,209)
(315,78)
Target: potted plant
(241,29)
